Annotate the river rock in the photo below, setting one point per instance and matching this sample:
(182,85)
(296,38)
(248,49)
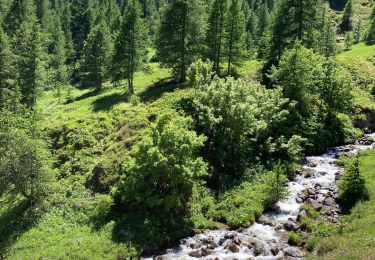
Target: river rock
(233,248)
(291,226)
(312,164)
(292,252)
(316,205)
(266,221)
(258,247)
(329,202)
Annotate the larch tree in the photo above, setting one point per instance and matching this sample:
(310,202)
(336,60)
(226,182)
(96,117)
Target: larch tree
(96,56)
(235,30)
(130,48)
(181,35)
(216,33)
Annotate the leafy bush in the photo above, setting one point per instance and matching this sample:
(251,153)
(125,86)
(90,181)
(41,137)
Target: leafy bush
(25,163)
(352,186)
(200,72)
(243,123)
(295,238)
(163,168)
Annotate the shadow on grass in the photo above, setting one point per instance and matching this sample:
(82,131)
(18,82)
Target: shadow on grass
(13,223)
(107,102)
(83,96)
(156,90)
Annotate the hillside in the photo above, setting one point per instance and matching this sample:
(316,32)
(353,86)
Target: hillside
(125,128)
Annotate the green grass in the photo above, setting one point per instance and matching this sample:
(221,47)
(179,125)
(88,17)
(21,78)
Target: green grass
(358,52)
(357,240)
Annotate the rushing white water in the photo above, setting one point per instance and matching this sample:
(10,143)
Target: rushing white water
(269,239)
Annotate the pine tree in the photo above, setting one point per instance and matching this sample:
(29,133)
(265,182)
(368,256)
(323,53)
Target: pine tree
(235,34)
(7,71)
(370,36)
(96,56)
(294,20)
(130,46)
(82,18)
(20,10)
(181,35)
(346,22)
(251,30)
(216,33)
(264,20)
(29,64)
(327,39)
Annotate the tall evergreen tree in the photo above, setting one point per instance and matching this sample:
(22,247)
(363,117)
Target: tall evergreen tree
(7,71)
(251,30)
(181,35)
(264,20)
(357,31)
(294,20)
(346,22)
(327,38)
(20,10)
(235,34)
(130,46)
(29,64)
(370,36)
(216,33)
(81,24)
(96,56)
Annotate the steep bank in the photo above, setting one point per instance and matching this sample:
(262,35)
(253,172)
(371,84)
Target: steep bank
(268,238)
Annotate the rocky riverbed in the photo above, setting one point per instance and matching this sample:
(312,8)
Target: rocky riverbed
(315,184)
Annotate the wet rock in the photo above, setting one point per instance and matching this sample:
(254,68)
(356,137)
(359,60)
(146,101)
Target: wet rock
(292,252)
(196,253)
(229,235)
(266,221)
(299,200)
(329,202)
(209,242)
(291,226)
(275,251)
(195,245)
(312,164)
(233,248)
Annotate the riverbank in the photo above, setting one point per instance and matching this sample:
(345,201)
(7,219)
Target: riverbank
(310,212)
(357,237)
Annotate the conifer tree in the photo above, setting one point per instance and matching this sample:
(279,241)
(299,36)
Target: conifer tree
(81,24)
(20,10)
(346,22)
(216,33)
(357,31)
(7,71)
(251,30)
(264,20)
(181,35)
(130,46)
(96,56)
(235,34)
(327,38)
(370,36)
(294,20)
(29,65)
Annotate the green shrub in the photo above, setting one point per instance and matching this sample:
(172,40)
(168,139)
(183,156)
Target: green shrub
(200,72)
(164,167)
(295,238)
(311,243)
(352,186)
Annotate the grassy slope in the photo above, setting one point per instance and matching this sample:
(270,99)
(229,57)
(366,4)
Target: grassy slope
(357,240)
(90,129)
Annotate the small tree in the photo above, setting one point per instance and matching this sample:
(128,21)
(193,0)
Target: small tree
(370,36)
(25,165)
(352,186)
(130,46)
(163,168)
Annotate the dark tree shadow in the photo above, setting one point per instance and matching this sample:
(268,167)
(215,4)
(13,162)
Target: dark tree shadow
(107,102)
(156,90)
(83,96)
(13,224)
